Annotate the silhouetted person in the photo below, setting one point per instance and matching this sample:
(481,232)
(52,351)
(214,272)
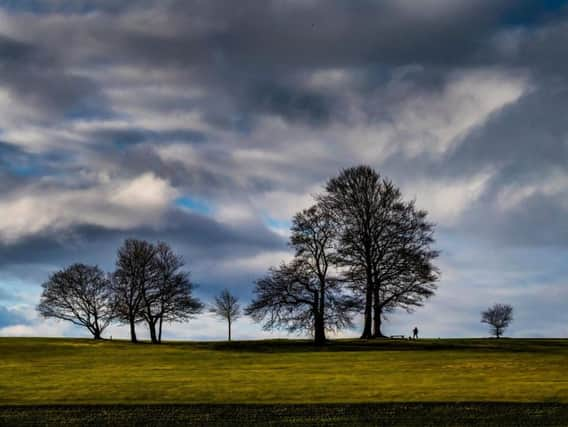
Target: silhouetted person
(415,333)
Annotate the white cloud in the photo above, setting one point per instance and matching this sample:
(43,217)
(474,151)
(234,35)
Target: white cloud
(446,201)
(552,184)
(120,203)
(436,122)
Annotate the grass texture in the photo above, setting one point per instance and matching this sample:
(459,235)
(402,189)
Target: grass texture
(41,371)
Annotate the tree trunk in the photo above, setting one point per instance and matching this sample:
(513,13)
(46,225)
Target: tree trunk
(319,329)
(152,328)
(97,334)
(229,321)
(377,311)
(133,331)
(377,321)
(367,329)
(160,329)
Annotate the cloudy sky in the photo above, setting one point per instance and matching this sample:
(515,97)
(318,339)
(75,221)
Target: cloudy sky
(207,124)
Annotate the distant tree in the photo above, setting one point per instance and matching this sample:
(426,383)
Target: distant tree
(170,298)
(498,317)
(80,294)
(384,244)
(226,307)
(132,280)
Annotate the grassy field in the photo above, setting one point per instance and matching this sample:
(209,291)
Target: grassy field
(73,371)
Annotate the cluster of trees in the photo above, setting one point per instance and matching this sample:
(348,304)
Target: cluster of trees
(360,249)
(149,285)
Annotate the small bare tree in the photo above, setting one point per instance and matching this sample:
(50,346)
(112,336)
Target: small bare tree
(80,294)
(498,317)
(226,307)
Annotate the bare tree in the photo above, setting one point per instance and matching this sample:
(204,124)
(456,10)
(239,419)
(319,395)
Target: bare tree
(403,272)
(383,243)
(132,280)
(80,294)
(498,317)
(313,237)
(288,298)
(171,297)
(226,307)
(150,286)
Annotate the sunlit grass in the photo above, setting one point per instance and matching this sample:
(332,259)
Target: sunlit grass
(43,371)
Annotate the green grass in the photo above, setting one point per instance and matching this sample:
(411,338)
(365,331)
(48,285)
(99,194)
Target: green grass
(71,371)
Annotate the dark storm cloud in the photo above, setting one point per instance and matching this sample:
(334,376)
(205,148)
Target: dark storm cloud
(126,137)
(257,53)
(35,76)
(195,236)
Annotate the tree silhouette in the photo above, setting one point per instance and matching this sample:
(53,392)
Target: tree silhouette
(384,244)
(288,297)
(226,307)
(498,317)
(150,286)
(131,281)
(80,294)
(172,297)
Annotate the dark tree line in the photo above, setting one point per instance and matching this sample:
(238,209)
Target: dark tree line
(360,249)
(149,285)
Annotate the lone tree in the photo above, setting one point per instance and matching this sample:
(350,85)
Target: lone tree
(384,244)
(226,307)
(80,294)
(302,295)
(498,317)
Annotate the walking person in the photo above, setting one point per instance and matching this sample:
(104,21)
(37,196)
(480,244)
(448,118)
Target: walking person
(415,333)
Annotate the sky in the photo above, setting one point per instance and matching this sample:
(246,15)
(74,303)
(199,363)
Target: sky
(208,124)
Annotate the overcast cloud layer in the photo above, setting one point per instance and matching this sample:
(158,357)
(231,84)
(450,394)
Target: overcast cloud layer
(207,124)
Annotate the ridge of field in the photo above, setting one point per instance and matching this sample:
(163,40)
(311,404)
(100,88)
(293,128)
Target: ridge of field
(43,371)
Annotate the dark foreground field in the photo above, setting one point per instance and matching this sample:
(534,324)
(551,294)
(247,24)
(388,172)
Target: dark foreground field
(384,414)
(386,382)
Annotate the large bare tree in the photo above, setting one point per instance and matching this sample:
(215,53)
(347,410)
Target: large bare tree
(384,244)
(80,294)
(498,317)
(404,275)
(227,307)
(304,295)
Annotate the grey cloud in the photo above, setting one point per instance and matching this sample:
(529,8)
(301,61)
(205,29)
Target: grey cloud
(243,97)
(34,75)
(9,317)
(196,237)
